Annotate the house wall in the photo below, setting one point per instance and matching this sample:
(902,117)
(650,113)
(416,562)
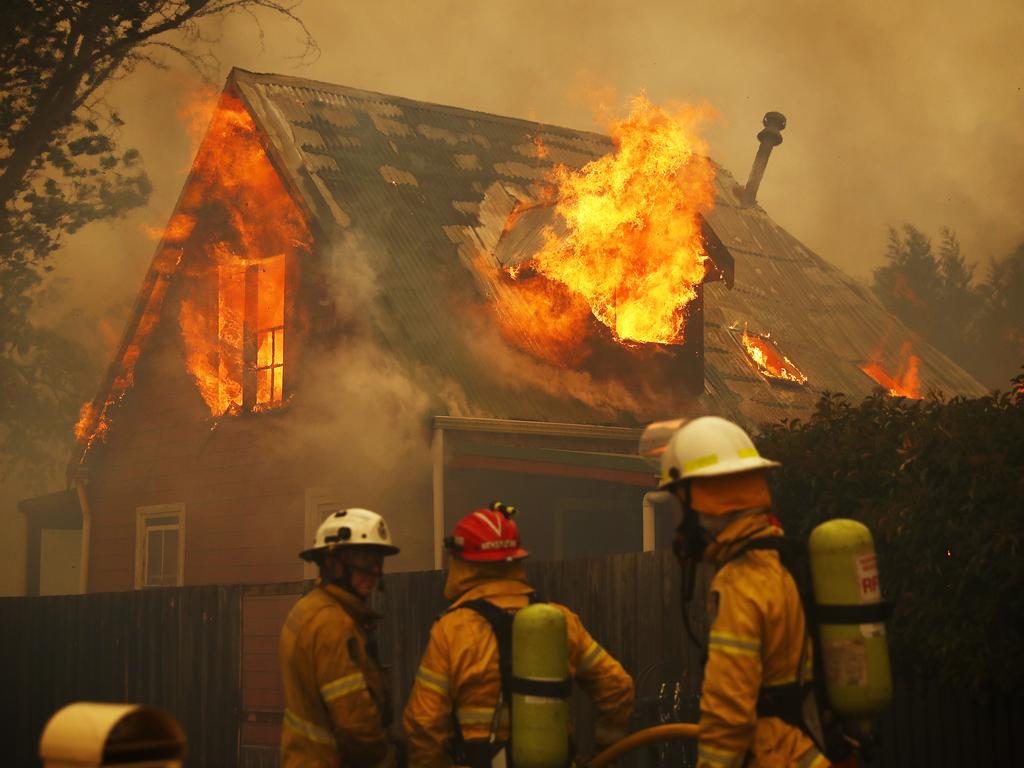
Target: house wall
(242,479)
(242,509)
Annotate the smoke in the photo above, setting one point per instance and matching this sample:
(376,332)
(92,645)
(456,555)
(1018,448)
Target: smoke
(362,420)
(897,111)
(520,371)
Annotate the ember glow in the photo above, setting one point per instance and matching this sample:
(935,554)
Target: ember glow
(86,423)
(769,360)
(906,382)
(546,319)
(632,253)
(234,344)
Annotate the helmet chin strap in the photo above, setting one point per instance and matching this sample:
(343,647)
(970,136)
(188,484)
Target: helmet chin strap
(688,546)
(345,579)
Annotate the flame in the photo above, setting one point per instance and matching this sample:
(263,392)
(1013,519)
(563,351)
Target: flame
(558,321)
(770,361)
(632,252)
(85,426)
(237,254)
(906,382)
(244,257)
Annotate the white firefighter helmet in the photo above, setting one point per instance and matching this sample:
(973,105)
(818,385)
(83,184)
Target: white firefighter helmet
(708,447)
(351,528)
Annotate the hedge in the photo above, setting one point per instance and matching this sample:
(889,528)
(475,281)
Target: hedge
(941,485)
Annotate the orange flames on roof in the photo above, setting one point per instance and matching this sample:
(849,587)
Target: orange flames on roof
(906,382)
(236,226)
(770,361)
(254,227)
(632,254)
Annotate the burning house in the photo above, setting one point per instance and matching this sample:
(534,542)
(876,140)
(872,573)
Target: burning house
(366,300)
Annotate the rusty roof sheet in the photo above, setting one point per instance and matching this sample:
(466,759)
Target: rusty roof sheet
(429,185)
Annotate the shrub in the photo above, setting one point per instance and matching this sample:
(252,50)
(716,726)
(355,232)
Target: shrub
(940,483)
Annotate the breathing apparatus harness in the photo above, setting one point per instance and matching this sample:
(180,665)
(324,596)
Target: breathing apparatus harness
(497,544)
(803,704)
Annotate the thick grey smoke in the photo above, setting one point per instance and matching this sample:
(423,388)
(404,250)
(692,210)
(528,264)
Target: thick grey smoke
(362,422)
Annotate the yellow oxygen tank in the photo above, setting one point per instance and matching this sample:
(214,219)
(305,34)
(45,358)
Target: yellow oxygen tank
(851,619)
(540,688)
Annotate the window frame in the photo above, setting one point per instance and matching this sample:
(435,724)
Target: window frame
(142,515)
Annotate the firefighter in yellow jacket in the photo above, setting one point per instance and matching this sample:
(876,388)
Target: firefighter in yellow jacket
(759,652)
(452,707)
(336,698)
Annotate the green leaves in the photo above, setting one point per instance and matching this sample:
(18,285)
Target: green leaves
(941,485)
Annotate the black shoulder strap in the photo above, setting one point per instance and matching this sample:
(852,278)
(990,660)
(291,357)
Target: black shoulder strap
(501,624)
(793,556)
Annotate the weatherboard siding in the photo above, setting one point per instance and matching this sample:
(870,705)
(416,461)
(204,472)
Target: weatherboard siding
(243,505)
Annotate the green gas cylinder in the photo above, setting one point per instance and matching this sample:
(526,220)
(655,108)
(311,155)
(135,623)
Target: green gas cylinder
(848,600)
(540,688)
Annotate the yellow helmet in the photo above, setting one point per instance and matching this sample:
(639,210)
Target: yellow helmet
(708,447)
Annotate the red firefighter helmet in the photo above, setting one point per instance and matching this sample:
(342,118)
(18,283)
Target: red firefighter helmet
(487,535)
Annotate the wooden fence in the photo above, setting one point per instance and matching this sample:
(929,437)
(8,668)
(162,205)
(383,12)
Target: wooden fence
(177,649)
(209,656)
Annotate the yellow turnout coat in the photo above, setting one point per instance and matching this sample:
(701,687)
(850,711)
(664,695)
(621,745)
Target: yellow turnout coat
(757,638)
(458,676)
(335,691)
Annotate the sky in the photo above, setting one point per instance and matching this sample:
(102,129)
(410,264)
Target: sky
(897,112)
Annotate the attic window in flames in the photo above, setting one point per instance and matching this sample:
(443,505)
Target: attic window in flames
(270,333)
(240,261)
(768,358)
(250,333)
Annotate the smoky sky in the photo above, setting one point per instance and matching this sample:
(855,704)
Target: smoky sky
(898,112)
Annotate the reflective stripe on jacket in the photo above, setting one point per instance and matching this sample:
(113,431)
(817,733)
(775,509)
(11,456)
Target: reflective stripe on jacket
(334,690)
(458,675)
(756,640)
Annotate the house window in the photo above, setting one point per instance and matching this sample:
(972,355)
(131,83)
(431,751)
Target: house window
(159,546)
(251,333)
(270,332)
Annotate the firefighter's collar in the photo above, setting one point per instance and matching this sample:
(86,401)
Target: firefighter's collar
(357,608)
(494,588)
(733,536)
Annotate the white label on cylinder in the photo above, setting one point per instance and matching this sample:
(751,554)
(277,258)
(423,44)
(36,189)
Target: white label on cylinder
(846,662)
(867,579)
(872,630)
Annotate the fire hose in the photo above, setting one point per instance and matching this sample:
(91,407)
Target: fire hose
(640,738)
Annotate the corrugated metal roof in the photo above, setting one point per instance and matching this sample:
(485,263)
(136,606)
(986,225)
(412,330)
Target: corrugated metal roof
(427,185)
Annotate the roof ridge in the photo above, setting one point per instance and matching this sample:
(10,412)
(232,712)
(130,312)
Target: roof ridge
(429,106)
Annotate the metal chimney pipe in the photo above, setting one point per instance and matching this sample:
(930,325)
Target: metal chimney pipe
(770,137)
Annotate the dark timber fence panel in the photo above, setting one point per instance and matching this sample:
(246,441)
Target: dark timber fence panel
(182,649)
(177,649)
